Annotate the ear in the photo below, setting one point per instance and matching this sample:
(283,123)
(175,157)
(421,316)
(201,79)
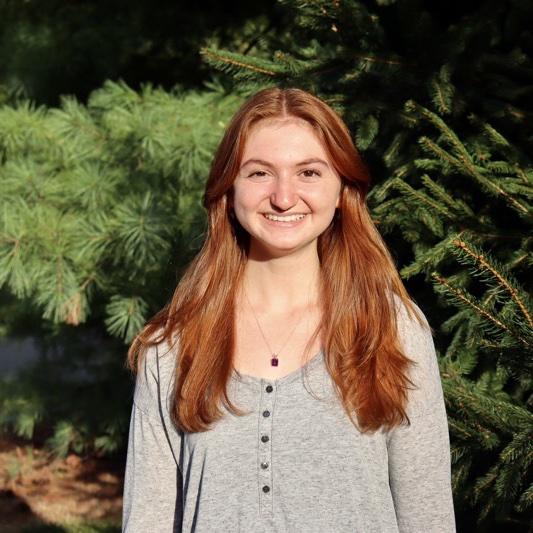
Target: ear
(229,196)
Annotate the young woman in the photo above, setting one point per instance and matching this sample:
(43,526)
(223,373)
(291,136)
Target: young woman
(291,385)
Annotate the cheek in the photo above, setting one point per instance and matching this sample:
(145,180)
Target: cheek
(239,204)
(338,200)
(249,196)
(334,198)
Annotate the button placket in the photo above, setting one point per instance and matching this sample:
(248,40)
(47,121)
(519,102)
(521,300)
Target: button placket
(264,460)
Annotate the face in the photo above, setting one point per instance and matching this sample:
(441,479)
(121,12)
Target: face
(286,191)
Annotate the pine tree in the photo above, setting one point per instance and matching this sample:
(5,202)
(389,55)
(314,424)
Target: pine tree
(100,209)
(53,48)
(440,103)
(113,184)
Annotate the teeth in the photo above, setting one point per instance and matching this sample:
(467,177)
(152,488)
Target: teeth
(289,218)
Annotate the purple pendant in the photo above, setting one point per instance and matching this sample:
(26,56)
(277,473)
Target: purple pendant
(274,361)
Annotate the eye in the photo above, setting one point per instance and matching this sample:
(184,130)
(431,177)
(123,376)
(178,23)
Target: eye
(310,173)
(257,174)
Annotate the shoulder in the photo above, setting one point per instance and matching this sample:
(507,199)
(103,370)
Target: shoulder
(416,341)
(414,332)
(155,378)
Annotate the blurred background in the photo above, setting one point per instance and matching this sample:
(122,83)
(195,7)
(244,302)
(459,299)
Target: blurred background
(109,115)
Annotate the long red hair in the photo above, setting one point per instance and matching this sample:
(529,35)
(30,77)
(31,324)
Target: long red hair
(360,286)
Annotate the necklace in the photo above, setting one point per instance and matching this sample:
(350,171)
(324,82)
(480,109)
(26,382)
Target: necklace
(274,361)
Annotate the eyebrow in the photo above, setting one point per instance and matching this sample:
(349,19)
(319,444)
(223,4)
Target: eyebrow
(312,161)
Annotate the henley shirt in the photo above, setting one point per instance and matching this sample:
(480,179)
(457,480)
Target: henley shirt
(294,463)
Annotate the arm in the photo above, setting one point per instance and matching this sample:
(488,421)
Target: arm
(152,485)
(419,454)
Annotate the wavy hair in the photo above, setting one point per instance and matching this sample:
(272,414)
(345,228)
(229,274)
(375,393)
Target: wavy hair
(359,285)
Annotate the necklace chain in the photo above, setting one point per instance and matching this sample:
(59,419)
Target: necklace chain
(274,357)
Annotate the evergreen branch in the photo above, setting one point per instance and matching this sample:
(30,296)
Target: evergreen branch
(442,90)
(90,131)
(393,149)
(514,112)
(501,141)
(381,61)
(440,95)
(367,130)
(491,345)
(465,163)
(310,66)
(511,452)
(460,474)
(425,259)
(509,483)
(521,173)
(458,293)
(495,135)
(392,111)
(258,37)
(440,152)
(518,260)
(235,63)
(480,259)
(125,316)
(388,109)
(460,429)
(72,310)
(501,415)
(464,156)
(422,197)
(443,194)
(86,283)
(59,276)
(457,451)
(443,128)
(485,482)
(14,270)
(526,500)
(73,307)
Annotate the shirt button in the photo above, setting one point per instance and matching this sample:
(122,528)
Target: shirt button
(266,489)
(269,388)
(264,438)
(264,466)
(266,414)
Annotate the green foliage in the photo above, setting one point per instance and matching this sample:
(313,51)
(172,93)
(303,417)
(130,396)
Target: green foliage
(472,229)
(17,465)
(95,199)
(439,101)
(100,207)
(51,48)
(76,396)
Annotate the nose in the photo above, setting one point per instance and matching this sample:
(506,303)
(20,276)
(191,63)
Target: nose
(284,193)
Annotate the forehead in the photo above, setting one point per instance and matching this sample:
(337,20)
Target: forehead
(282,133)
(279,122)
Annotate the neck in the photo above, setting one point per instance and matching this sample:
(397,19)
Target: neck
(282,283)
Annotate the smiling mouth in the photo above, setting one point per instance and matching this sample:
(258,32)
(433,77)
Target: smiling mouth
(287,218)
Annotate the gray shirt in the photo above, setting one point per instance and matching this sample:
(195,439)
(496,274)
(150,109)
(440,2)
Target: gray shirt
(294,462)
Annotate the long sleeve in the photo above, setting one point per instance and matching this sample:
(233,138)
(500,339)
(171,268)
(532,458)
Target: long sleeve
(152,486)
(419,454)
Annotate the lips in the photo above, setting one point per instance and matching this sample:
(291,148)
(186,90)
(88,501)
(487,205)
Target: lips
(286,218)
